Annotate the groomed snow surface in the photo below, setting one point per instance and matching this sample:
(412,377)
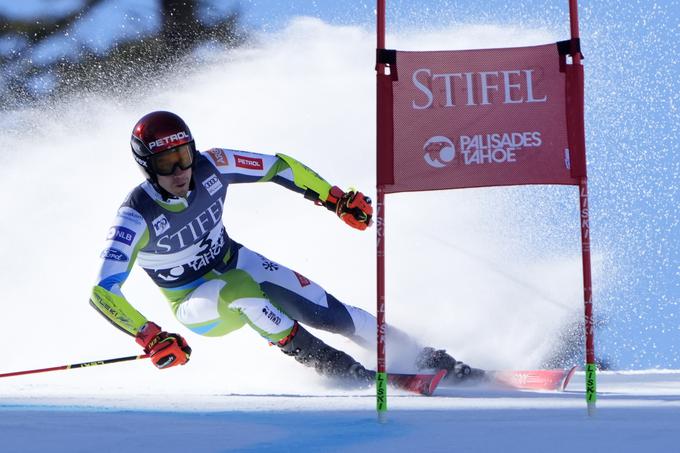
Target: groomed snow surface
(636,411)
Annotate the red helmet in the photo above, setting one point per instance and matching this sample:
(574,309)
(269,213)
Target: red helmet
(160,142)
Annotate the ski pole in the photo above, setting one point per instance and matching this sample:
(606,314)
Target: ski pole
(77,365)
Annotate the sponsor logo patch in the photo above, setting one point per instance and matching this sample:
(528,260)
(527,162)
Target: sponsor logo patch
(182,135)
(130,215)
(141,162)
(193,231)
(219,157)
(481,149)
(439,151)
(114,255)
(269,265)
(304,281)
(173,274)
(160,224)
(212,184)
(250,163)
(271,314)
(121,234)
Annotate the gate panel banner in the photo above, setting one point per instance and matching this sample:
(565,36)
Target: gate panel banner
(476,118)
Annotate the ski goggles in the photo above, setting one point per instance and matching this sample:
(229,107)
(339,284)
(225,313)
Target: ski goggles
(164,163)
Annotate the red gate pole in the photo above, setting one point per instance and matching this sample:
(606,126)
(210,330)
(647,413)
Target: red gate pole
(381,373)
(591,367)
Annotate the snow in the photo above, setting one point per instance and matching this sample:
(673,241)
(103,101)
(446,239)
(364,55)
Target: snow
(637,411)
(478,272)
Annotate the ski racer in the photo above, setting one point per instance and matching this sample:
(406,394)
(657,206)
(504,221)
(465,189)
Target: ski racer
(171,225)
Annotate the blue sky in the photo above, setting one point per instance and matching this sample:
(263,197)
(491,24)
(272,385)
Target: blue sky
(632,122)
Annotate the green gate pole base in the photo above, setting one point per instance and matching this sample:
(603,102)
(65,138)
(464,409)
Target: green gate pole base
(591,387)
(381,396)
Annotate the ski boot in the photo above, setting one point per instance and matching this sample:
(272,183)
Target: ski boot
(326,360)
(438,359)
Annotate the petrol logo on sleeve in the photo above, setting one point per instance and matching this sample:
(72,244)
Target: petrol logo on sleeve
(250,163)
(121,234)
(219,157)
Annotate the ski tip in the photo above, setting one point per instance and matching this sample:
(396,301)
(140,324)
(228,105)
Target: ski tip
(429,390)
(568,377)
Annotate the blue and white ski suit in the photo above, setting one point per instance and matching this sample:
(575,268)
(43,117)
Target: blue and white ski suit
(214,284)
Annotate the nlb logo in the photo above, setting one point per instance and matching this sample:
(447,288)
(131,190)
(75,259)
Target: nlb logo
(121,234)
(439,151)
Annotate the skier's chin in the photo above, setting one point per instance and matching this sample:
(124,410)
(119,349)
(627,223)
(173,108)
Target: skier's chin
(181,193)
(176,184)
(181,189)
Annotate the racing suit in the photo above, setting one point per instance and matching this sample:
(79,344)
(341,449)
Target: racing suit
(213,284)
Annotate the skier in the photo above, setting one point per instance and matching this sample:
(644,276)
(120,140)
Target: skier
(171,224)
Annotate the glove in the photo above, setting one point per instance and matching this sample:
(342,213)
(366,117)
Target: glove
(354,208)
(165,349)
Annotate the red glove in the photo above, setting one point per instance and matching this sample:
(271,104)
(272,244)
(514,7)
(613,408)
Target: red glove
(354,208)
(165,349)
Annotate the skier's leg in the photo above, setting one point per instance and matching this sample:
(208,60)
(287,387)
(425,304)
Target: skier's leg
(310,304)
(311,351)
(222,305)
(301,298)
(203,313)
(268,297)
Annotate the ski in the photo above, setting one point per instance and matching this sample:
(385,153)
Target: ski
(554,379)
(422,384)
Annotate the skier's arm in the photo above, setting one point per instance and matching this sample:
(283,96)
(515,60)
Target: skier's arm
(165,349)
(308,182)
(128,235)
(242,166)
(352,207)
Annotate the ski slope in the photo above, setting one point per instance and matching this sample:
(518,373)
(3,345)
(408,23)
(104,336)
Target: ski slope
(449,281)
(637,411)
(492,275)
